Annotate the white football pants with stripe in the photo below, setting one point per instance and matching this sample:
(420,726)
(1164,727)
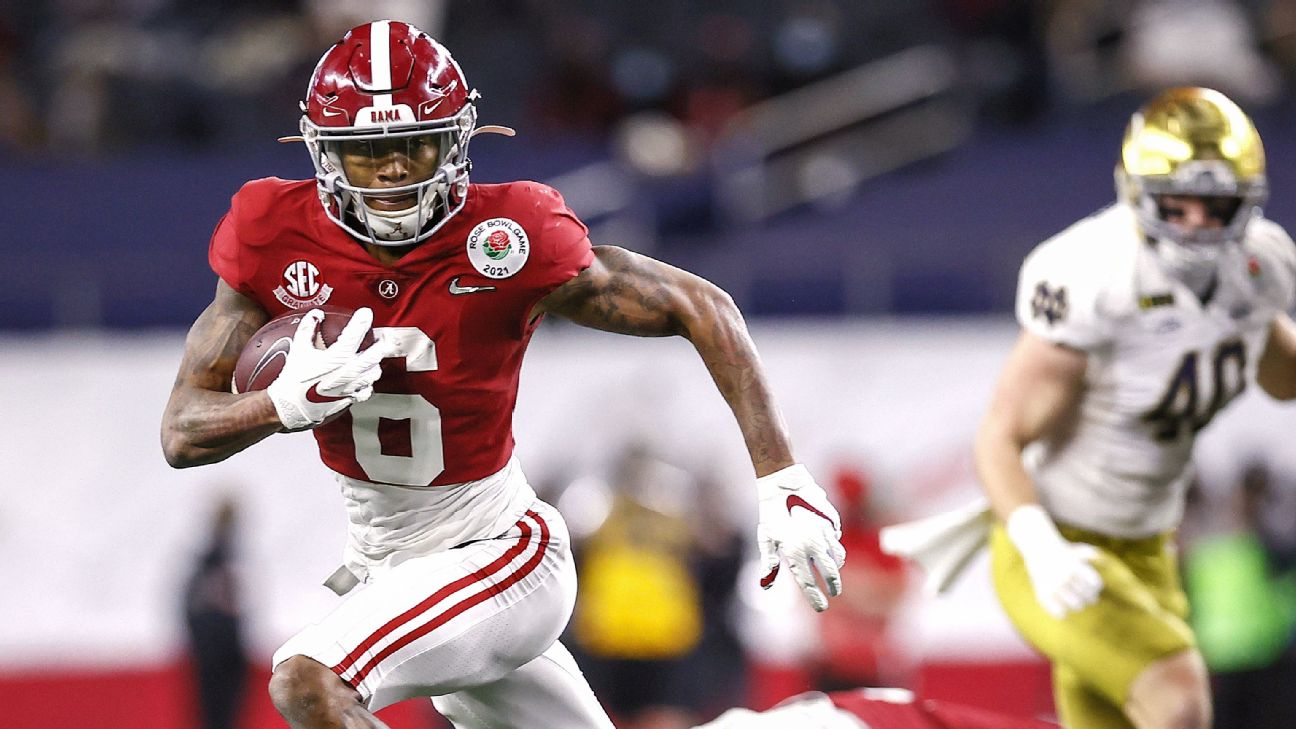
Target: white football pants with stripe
(476,627)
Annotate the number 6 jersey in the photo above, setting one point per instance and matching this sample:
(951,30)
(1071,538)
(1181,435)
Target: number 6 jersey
(456,307)
(1160,363)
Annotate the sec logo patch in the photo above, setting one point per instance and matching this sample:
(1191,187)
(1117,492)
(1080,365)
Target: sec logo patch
(302,286)
(498,248)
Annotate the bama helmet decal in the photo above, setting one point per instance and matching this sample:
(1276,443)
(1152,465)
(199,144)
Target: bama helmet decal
(498,248)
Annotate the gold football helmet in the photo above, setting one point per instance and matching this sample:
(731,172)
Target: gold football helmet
(1192,141)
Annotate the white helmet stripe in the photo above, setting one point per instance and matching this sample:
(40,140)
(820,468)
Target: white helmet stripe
(380,61)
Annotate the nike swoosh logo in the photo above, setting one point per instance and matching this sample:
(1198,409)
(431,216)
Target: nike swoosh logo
(456,289)
(768,580)
(329,111)
(795,501)
(263,364)
(314,395)
(426,108)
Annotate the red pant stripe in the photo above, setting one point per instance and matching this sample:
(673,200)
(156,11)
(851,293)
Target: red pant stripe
(512,552)
(491,590)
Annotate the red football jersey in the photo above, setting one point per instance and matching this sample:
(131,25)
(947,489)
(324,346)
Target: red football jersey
(456,307)
(892,713)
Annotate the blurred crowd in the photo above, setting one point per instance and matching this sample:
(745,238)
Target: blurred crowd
(83,77)
(670,628)
(1239,567)
(727,138)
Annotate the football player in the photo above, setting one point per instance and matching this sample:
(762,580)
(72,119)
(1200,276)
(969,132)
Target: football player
(1138,325)
(885,708)
(468,576)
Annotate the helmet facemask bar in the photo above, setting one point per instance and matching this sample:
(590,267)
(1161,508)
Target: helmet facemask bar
(1212,180)
(436,198)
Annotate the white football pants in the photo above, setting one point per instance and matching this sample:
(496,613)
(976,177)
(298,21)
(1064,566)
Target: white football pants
(476,627)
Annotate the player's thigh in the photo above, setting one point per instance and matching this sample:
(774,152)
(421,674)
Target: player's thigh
(1081,707)
(438,623)
(1135,622)
(547,693)
(1175,688)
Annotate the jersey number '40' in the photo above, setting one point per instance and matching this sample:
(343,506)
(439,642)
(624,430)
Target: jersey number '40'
(1178,406)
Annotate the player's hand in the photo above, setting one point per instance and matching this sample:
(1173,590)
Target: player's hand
(1061,572)
(798,522)
(317,384)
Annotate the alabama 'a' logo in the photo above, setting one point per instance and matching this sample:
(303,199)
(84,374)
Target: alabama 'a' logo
(498,248)
(302,287)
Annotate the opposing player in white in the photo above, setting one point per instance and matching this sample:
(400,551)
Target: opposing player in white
(1139,324)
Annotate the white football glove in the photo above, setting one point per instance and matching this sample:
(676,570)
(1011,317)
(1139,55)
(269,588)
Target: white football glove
(798,522)
(317,384)
(1061,572)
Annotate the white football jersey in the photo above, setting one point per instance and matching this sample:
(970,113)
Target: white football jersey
(1161,364)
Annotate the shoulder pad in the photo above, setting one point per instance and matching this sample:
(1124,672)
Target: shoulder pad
(1072,285)
(1273,261)
(258,207)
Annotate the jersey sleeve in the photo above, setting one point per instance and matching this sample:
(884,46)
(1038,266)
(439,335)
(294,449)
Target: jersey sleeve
(1058,296)
(223,254)
(1276,255)
(562,249)
(229,252)
(558,250)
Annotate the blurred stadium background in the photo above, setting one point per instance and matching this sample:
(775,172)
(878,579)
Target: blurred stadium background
(863,176)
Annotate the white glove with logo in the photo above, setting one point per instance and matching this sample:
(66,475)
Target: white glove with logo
(317,384)
(798,522)
(1061,572)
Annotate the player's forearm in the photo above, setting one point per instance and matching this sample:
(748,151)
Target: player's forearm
(628,293)
(201,426)
(718,332)
(1276,370)
(999,468)
(1038,393)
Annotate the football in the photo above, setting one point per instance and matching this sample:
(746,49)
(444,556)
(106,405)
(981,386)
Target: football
(262,358)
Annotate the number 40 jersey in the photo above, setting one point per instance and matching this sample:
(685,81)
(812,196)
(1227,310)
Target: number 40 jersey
(1161,363)
(457,310)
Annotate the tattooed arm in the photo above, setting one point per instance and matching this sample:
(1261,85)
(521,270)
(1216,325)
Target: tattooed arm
(204,422)
(631,294)
(627,293)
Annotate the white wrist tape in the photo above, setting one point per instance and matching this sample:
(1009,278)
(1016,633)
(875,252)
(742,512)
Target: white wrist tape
(1030,528)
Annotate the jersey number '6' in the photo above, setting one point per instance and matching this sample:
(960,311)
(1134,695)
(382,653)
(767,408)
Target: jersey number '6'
(426,459)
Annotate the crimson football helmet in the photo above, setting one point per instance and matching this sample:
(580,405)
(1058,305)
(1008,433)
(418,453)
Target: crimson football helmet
(387,119)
